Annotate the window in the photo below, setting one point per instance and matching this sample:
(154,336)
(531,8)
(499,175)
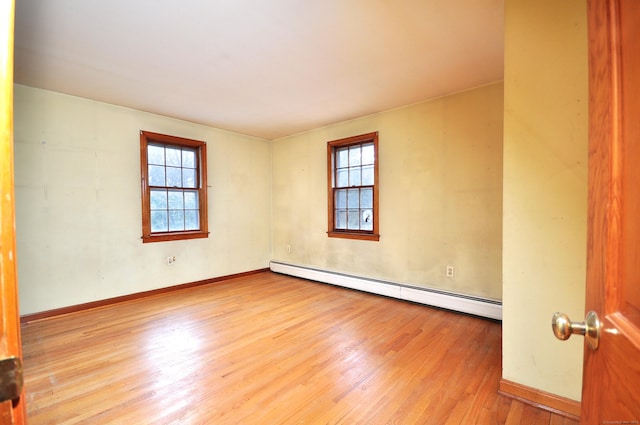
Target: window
(174,187)
(352,168)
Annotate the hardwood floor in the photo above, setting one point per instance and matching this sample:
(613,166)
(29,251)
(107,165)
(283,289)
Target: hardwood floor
(268,349)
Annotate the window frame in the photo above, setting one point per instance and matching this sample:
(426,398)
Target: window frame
(147,138)
(371,235)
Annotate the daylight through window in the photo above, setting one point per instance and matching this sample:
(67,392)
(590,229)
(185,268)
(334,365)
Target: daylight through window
(353,187)
(174,202)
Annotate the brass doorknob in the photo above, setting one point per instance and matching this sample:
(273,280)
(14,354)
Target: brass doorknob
(563,328)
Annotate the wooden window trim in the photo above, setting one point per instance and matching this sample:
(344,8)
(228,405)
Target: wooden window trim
(147,137)
(332,232)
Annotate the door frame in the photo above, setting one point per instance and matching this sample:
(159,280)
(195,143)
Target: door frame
(11,412)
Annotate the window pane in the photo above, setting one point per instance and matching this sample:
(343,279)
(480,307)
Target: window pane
(341,219)
(158,199)
(352,188)
(174,177)
(176,220)
(367,220)
(176,200)
(368,155)
(176,188)
(366,198)
(354,155)
(191,221)
(354,176)
(341,198)
(367,175)
(342,160)
(156,175)
(189,158)
(155,154)
(343,178)
(353,219)
(188,177)
(173,156)
(190,200)
(353,200)
(159,221)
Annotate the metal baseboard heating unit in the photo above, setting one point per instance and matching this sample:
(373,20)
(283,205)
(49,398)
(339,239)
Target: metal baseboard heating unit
(484,307)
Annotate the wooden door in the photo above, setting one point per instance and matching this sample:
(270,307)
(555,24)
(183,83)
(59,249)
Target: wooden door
(611,380)
(12,411)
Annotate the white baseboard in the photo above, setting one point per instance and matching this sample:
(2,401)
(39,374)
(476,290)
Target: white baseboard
(483,307)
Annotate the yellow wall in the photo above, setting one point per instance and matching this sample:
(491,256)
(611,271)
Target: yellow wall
(545,190)
(77,166)
(440,167)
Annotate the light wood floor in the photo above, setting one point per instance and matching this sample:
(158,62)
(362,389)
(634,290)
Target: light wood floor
(268,349)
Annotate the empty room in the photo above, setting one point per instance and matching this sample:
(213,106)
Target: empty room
(278,212)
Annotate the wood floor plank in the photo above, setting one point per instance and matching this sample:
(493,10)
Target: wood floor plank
(267,348)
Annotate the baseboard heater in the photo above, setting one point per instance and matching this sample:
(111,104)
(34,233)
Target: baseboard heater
(477,306)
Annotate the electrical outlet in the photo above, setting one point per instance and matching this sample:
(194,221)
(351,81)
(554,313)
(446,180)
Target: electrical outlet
(171,260)
(450,271)
(288,249)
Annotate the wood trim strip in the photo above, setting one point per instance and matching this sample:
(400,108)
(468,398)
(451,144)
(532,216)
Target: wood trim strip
(101,303)
(541,399)
(13,412)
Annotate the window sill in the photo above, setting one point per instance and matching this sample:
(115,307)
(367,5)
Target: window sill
(354,235)
(174,236)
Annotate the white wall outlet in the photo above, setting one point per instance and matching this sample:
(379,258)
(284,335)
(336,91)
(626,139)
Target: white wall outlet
(288,249)
(450,272)
(171,260)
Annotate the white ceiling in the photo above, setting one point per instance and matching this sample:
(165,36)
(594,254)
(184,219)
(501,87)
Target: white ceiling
(266,68)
